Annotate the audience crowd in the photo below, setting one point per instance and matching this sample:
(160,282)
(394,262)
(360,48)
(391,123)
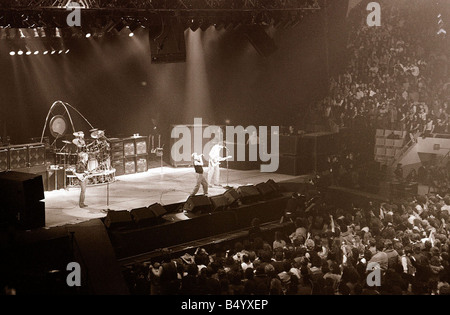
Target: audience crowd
(326,250)
(397,75)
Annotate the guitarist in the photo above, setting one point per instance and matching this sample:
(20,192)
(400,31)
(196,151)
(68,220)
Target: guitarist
(214,164)
(81,173)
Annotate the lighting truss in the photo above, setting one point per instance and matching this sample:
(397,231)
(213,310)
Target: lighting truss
(53,13)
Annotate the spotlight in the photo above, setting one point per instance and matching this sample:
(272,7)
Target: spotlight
(131,34)
(28,53)
(53,52)
(88,35)
(45,52)
(20,52)
(60,52)
(36,52)
(12,53)
(67,51)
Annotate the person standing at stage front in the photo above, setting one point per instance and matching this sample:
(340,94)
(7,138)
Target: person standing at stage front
(215,157)
(201,180)
(81,172)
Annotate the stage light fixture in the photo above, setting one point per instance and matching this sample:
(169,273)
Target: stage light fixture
(60,52)
(20,52)
(53,52)
(45,52)
(88,35)
(36,52)
(12,53)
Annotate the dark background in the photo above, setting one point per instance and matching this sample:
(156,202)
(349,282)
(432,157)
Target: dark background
(113,83)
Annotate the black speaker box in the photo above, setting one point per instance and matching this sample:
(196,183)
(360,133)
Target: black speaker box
(118,219)
(249,194)
(265,189)
(274,185)
(158,210)
(143,216)
(219,203)
(21,196)
(198,204)
(232,197)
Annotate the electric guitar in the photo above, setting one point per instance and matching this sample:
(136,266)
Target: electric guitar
(83,176)
(217,161)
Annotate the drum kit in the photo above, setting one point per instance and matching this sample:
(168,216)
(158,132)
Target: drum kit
(98,150)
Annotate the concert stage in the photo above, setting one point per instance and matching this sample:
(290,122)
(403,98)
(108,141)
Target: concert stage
(165,185)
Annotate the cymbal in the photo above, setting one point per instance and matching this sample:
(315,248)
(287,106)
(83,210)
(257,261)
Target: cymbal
(97,134)
(78,134)
(79,142)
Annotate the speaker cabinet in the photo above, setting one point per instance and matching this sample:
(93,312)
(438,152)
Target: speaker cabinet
(158,210)
(18,157)
(119,166)
(219,203)
(36,155)
(198,204)
(141,147)
(143,216)
(141,164)
(265,190)
(4,165)
(129,148)
(248,194)
(118,219)
(232,197)
(21,196)
(130,165)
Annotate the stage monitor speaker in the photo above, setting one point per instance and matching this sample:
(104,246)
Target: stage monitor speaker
(266,190)
(274,185)
(232,197)
(198,204)
(158,210)
(167,42)
(141,146)
(260,40)
(249,194)
(219,203)
(118,219)
(143,216)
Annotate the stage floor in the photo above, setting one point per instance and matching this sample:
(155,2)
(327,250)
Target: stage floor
(164,185)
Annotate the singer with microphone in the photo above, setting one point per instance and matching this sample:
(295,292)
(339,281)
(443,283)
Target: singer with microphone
(201,180)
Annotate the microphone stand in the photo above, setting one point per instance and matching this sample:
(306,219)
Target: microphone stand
(228,170)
